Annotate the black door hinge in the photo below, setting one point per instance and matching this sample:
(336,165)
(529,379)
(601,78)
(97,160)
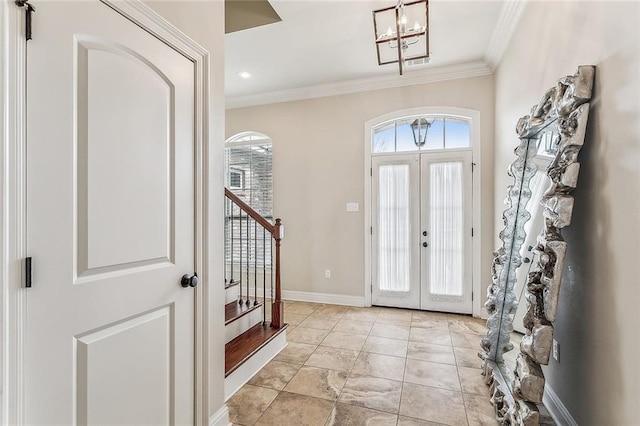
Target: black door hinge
(29,9)
(473,165)
(27,272)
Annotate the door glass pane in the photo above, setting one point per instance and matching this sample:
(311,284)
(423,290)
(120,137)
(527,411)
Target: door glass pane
(457,133)
(446,228)
(394,255)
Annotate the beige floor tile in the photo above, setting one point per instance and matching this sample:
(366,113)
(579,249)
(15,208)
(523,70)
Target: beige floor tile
(300,308)
(424,335)
(296,353)
(333,358)
(435,405)
(332,311)
(479,410)
(372,392)
(468,325)
(353,326)
(432,374)
(432,353)
(437,324)
(349,415)
(466,340)
(290,409)
(248,404)
(408,421)
(293,319)
(467,357)
(318,382)
(338,339)
(472,381)
(394,316)
(390,331)
(311,336)
(322,323)
(362,314)
(376,365)
(385,346)
(275,375)
(428,315)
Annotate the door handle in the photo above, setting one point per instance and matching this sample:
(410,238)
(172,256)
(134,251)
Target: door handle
(424,244)
(189,280)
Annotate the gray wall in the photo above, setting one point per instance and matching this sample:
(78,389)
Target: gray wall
(597,375)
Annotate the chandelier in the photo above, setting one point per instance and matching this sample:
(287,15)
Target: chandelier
(402,33)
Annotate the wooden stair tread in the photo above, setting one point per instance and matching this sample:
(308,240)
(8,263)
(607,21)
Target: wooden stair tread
(235,310)
(240,349)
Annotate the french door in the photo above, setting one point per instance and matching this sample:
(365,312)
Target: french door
(421,232)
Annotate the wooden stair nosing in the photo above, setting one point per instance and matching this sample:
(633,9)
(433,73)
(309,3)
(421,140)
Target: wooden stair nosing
(234,310)
(243,347)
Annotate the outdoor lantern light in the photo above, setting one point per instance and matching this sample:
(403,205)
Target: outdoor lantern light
(420,127)
(402,33)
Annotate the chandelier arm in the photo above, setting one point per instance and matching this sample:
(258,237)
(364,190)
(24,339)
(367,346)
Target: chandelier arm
(399,40)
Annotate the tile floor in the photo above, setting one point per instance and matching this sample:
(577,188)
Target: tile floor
(369,366)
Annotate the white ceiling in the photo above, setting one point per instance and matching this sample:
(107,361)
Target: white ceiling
(320,42)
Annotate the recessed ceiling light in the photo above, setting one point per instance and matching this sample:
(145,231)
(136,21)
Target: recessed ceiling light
(245,74)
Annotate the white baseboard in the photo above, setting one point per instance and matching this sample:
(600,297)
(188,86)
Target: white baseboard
(220,418)
(334,299)
(556,408)
(307,296)
(246,371)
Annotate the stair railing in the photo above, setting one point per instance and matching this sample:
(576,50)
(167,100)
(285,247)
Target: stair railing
(244,230)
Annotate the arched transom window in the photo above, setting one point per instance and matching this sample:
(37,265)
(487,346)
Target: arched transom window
(422,133)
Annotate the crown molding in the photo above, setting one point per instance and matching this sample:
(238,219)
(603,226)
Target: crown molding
(507,22)
(431,75)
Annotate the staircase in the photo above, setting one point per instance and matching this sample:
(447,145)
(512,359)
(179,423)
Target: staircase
(254,311)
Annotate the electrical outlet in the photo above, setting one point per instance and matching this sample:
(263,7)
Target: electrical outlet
(327,273)
(556,350)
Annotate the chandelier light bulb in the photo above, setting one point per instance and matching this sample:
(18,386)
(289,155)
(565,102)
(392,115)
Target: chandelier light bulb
(403,20)
(416,26)
(389,32)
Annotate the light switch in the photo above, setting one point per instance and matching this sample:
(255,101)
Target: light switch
(353,207)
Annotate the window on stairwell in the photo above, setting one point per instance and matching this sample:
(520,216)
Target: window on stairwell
(249,175)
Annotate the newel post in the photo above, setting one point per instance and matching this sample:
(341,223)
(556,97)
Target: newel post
(277,309)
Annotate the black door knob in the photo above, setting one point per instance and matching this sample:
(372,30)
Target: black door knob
(424,244)
(424,233)
(189,280)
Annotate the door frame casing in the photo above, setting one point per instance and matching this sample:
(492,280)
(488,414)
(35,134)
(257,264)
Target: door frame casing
(13,190)
(476,177)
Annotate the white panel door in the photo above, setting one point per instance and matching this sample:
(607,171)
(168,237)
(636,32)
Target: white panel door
(396,230)
(446,221)
(110,329)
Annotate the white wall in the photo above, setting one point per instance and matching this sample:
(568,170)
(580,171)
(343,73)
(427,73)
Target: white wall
(597,376)
(203,21)
(318,164)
